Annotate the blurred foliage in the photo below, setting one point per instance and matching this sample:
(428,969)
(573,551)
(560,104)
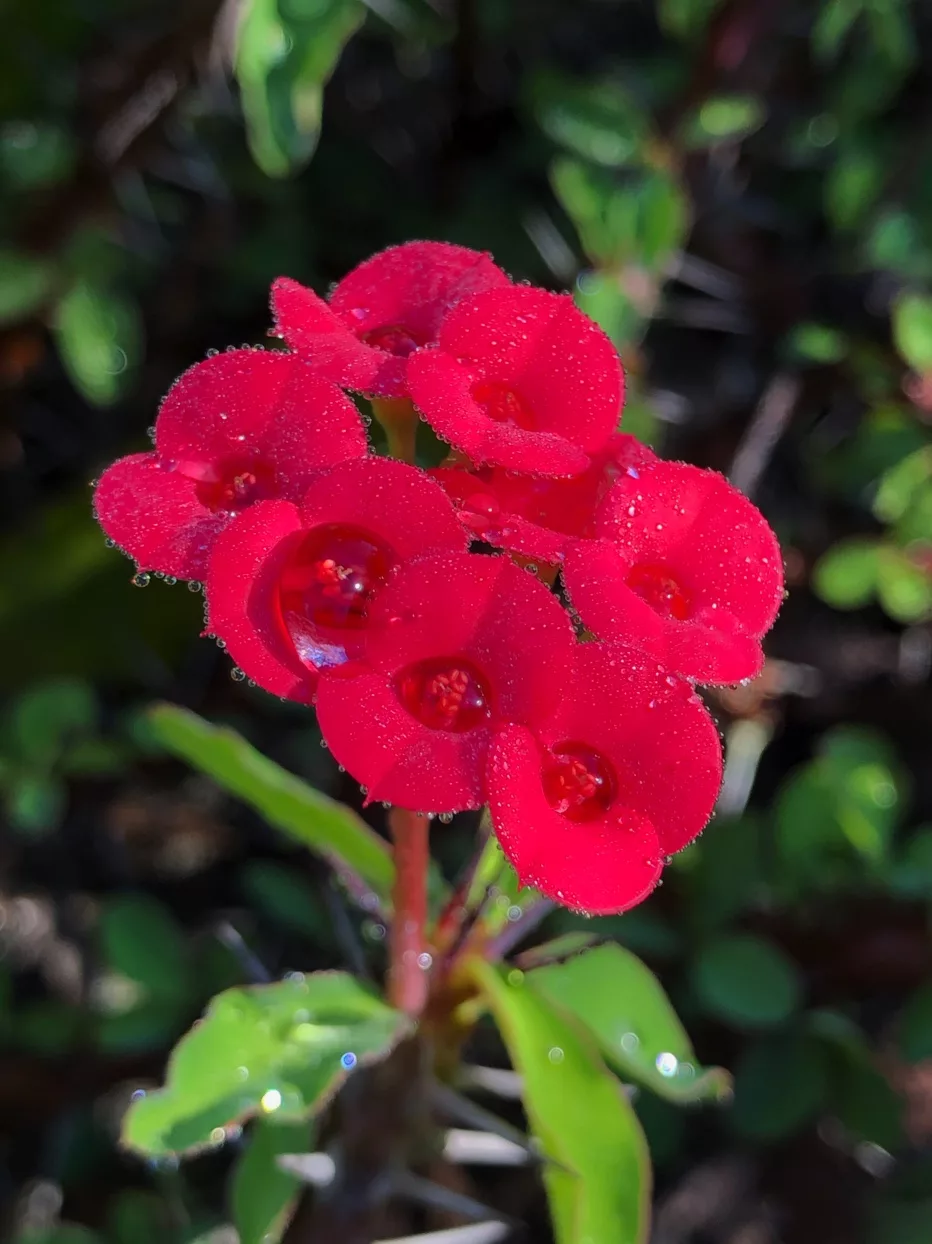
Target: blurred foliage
(739,193)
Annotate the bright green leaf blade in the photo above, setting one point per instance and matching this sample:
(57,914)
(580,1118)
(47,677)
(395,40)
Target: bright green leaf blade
(283,800)
(141,940)
(912,330)
(746,981)
(270,1048)
(625,1008)
(263,1195)
(903,587)
(99,337)
(599,1181)
(846,576)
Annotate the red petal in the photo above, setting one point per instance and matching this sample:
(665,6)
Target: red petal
(594,573)
(715,541)
(561,366)
(594,867)
(483,610)
(154,516)
(398,502)
(261,401)
(399,760)
(242,607)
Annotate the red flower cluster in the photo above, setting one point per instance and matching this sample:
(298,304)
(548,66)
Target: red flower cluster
(444,674)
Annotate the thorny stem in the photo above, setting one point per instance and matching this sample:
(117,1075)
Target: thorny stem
(407,980)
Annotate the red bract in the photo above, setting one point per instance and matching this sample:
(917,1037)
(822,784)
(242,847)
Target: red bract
(686,568)
(236,429)
(624,771)
(382,311)
(533,515)
(521,379)
(289,586)
(457,647)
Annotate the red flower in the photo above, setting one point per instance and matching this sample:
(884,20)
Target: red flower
(625,770)
(289,586)
(235,429)
(520,379)
(385,309)
(687,569)
(458,646)
(533,515)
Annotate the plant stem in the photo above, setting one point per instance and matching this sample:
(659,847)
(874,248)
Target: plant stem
(407,978)
(399,420)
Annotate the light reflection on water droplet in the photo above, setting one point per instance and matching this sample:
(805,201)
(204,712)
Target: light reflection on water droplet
(348,1060)
(556,1055)
(629,1042)
(667,1064)
(270,1100)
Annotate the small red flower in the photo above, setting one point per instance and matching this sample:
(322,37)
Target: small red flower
(533,515)
(457,646)
(289,586)
(235,429)
(381,312)
(686,568)
(624,771)
(520,379)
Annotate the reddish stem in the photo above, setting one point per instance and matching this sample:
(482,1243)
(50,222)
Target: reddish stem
(407,976)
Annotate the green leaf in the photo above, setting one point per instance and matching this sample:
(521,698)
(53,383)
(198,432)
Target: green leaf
(275,1049)
(35,154)
(286,51)
(598,1182)
(140,939)
(286,898)
(746,981)
(263,1195)
(912,330)
(903,588)
(725,871)
(685,19)
(46,717)
(901,484)
(846,576)
(625,1008)
(911,874)
(25,283)
(859,1094)
(601,296)
(916,1026)
(723,118)
(36,803)
(286,802)
(138,1217)
(852,186)
(99,336)
(780,1085)
(596,120)
(833,21)
(818,343)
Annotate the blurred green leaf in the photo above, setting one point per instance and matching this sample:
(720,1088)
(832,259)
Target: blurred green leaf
(140,939)
(48,716)
(723,118)
(900,485)
(624,1006)
(846,576)
(685,19)
(263,1195)
(138,1217)
(861,1097)
(915,1026)
(853,183)
(895,243)
(911,874)
(272,1049)
(129,1023)
(818,343)
(726,871)
(286,898)
(35,802)
(664,1126)
(596,120)
(298,810)
(286,51)
(99,336)
(780,1085)
(904,589)
(746,981)
(34,154)
(833,21)
(912,330)
(25,283)
(599,1182)
(601,296)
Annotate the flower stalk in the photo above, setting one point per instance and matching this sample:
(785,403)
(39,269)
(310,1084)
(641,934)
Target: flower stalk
(407,974)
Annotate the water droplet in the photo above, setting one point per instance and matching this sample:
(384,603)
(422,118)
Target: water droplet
(141,579)
(578,782)
(110,544)
(348,1060)
(515,978)
(514,913)
(237,674)
(444,693)
(194,585)
(445,818)
(270,1100)
(667,1064)
(555,1054)
(425,961)
(629,1042)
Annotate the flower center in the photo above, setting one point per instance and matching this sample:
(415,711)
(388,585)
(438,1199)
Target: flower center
(578,782)
(330,578)
(661,590)
(393,339)
(231,483)
(445,693)
(502,404)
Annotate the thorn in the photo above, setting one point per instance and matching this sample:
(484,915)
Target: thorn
(479,1233)
(424,1192)
(317,1169)
(458,1109)
(469,1148)
(496,1080)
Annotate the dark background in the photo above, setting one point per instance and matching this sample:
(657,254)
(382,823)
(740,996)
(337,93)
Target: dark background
(741,193)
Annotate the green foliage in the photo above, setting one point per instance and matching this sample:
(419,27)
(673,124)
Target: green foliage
(746,981)
(289,804)
(623,1005)
(723,118)
(263,1195)
(597,121)
(25,282)
(781,1083)
(598,1181)
(271,1049)
(912,330)
(99,335)
(286,50)
(846,576)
